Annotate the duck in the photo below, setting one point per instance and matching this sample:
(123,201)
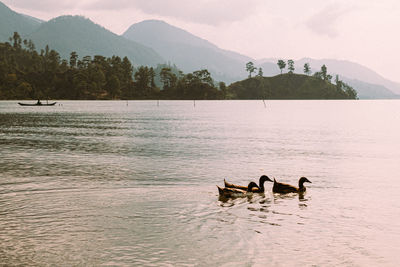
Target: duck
(235,192)
(286,188)
(256,189)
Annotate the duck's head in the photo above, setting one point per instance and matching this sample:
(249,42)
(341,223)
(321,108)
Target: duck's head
(264,178)
(304,180)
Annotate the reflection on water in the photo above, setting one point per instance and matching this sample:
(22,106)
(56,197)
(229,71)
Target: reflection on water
(103,183)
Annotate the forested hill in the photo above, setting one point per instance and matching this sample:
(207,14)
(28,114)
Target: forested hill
(290,86)
(27,74)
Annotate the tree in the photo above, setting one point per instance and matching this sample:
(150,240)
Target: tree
(350,92)
(281,64)
(152,76)
(168,78)
(307,69)
(114,86)
(200,85)
(260,72)
(73,59)
(53,60)
(16,40)
(338,82)
(290,64)
(318,75)
(31,46)
(98,79)
(46,51)
(143,79)
(250,68)
(86,60)
(64,65)
(204,76)
(23,90)
(164,77)
(127,70)
(324,72)
(223,89)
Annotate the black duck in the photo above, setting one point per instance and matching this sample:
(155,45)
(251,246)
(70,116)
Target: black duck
(287,188)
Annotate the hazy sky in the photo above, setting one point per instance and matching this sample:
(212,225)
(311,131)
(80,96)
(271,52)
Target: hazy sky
(363,31)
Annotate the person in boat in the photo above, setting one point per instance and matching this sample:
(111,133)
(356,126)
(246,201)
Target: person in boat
(38,102)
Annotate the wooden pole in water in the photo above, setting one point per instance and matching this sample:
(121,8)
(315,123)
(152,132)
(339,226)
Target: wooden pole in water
(194,103)
(126,102)
(265,106)
(158,103)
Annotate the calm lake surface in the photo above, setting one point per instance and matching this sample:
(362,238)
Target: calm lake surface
(110,184)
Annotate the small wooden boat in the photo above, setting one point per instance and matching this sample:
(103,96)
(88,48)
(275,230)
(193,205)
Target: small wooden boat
(258,189)
(37,104)
(287,188)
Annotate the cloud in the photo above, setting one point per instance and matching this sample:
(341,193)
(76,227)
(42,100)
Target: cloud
(48,5)
(211,12)
(324,22)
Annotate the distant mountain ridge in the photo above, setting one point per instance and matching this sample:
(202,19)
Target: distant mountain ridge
(75,33)
(153,42)
(11,22)
(353,71)
(188,51)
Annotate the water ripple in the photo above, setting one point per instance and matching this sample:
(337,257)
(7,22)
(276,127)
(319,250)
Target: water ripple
(103,183)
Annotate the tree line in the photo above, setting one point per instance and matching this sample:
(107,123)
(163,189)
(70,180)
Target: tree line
(26,73)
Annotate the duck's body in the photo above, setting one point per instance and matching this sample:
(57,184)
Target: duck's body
(287,188)
(256,189)
(235,192)
(229,185)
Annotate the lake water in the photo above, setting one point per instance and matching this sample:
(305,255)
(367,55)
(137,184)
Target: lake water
(111,183)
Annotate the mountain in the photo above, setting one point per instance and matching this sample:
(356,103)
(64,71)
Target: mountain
(369,84)
(370,91)
(187,51)
(75,33)
(352,70)
(152,42)
(11,22)
(191,53)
